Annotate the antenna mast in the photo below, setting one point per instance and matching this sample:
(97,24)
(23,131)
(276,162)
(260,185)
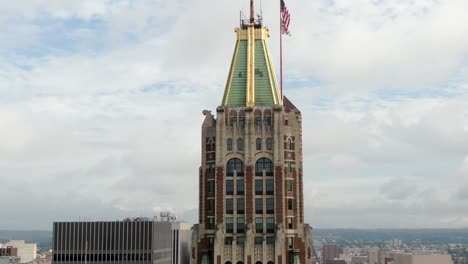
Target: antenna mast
(252,12)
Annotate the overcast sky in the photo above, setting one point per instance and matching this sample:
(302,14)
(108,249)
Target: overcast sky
(101,107)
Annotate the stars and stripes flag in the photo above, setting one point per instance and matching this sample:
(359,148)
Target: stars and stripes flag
(285,18)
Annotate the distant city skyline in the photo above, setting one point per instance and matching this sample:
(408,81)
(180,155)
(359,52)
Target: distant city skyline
(86,86)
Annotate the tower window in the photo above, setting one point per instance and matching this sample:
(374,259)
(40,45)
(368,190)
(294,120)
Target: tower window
(241,121)
(269,144)
(210,223)
(210,205)
(289,167)
(258,205)
(235,165)
(229,206)
(267,120)
(229,187)
(264,164)
(240,144)
(270,222)
(258,120)
(210,186)
(290,223)
(270,240)
(240,240)
(289,184)
(290,204)
(259,225)
(270,206)
(258,187)
(228,241)
(211,145)
(259,144)
(240,205)
(290,242)
(289,144)
(270,186)
(240,187)
(229,225)
(258,240)
(240,225)
(229,144)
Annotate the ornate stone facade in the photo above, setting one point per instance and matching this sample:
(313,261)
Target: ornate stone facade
(251,179)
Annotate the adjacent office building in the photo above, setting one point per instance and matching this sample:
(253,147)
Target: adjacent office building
(26,251)
(130,241)
(422,259)
(330,252)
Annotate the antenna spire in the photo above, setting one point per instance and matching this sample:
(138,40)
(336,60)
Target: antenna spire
(252,12)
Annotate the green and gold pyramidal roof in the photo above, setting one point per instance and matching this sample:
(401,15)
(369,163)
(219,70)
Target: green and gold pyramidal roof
(252,80)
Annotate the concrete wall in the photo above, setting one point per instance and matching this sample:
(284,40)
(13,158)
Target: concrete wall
(27,252)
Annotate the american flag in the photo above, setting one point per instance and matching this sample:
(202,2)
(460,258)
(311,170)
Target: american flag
(285,18)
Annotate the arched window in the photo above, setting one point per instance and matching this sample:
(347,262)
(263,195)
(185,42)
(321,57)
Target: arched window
(269,144)
(258,262)
(211,145)
(270,262)
(235,165)
(259,144)
(289,146)
(229,144)
(264,164)
(240,144)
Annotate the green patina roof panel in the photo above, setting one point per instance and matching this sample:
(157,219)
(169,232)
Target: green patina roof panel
(263,85)
(237,93)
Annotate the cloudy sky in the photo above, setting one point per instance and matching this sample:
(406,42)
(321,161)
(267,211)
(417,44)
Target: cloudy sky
(101,107)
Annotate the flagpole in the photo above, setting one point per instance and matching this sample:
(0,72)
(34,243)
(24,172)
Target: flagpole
(281,52)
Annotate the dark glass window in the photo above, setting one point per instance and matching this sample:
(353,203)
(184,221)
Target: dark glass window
(290,204)
(210,242)
(240,144)
(290,243)
(211,167)
(270,206)
(258,187)
(240,205)
(289,185)
(228,241)
(258,240)
(229,187)
(240,187)
(289,144)
(269,144)
(264,164)
(286,123)
(210,186)
(229,144)
(242,121)
(270,240)
(211,145)
(267,120)
(240,240)
(240,225)
(210,205)
(259,225)
(229,206)
(258,144)
(270,225)
(270,186)
(210,223)
(258,205)
(289,167)
(258,121)
(229,225)
(290,223)
(235,165)
(234,121)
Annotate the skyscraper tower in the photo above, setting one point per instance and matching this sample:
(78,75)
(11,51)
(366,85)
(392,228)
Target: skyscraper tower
(251,204)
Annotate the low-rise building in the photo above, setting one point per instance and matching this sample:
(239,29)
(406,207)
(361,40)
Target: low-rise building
(422,259)
(26,251)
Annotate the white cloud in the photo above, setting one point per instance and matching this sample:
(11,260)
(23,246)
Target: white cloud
(110,127)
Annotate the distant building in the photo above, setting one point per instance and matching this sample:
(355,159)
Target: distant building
(422,259)
(359,259)
(9,260)
(330,252)
(389,261)
(374,255)
(335,261)
(8,251)
(140,240)
(26,251)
